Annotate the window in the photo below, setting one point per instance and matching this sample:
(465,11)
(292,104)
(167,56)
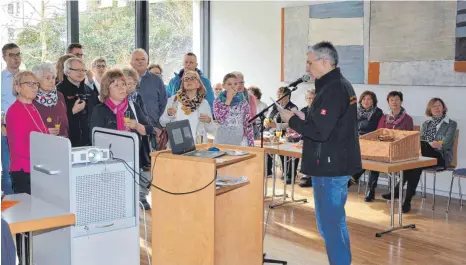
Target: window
(171,34)
(38,27)
(106,28)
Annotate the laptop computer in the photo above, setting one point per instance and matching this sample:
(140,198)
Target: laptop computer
(182,141)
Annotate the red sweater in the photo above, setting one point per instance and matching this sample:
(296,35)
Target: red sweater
(406,124)
(21,120)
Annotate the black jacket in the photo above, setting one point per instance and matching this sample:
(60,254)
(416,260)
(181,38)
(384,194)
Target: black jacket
(367,126)
(104,117)
(330,130)
(79,122)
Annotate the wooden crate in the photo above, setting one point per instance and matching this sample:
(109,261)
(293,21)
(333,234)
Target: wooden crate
(405,146)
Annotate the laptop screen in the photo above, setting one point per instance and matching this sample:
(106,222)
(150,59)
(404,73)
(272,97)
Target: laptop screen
(180,137)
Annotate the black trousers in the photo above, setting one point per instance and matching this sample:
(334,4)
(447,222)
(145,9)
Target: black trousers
(373,178)
(21,183)
(413,176)
(289,166)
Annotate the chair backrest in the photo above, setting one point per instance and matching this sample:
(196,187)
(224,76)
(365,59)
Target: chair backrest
(454,162)
(417,128)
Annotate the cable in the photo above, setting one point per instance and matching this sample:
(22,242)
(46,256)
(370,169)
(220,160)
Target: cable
(145,233)
(150,182)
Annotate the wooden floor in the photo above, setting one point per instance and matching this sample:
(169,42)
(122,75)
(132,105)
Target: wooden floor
(292,234)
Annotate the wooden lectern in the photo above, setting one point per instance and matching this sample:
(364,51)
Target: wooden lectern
(208,226)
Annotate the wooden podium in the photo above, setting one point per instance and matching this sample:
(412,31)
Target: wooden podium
(208,226)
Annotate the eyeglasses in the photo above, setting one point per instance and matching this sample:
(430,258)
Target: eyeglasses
(14,55)
(79,55)
(189,78)
(241,83)
(79,70)
(100,66)
(31,84)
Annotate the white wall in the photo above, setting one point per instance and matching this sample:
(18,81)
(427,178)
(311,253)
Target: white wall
(246,36)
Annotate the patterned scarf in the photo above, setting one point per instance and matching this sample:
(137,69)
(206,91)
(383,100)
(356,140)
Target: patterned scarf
(395,120)
(189,104)
(119,111)
(133,96)
(47,99)
(237,99)
(365,114)
(431,130)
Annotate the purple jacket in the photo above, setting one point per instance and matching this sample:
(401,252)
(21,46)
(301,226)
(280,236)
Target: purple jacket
(405,124)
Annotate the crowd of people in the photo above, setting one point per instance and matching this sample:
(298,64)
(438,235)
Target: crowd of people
(67,99)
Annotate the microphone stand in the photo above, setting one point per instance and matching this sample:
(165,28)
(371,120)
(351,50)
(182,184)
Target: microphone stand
(261,116)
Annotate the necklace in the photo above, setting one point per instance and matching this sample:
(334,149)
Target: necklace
(34,119)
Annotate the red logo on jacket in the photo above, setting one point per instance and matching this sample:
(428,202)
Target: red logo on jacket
(323,112)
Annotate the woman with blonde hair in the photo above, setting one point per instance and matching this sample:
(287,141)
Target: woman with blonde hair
(189,103)
(22,118)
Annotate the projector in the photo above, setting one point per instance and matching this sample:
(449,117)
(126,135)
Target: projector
(89,154)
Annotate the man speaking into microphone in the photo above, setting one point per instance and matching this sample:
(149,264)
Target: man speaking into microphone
(331,151)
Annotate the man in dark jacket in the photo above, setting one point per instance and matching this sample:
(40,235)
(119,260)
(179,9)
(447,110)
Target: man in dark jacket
(331,151)
(80,100)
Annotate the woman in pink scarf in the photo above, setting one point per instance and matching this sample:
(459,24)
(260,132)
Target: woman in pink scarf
(115,112)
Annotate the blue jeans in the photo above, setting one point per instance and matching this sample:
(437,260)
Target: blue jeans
(6,180)
(330,194)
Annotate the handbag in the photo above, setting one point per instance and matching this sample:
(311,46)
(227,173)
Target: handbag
(162,140)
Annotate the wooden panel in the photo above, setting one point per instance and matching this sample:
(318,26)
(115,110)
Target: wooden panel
(460,66)
(419,30)
(342,9)
(226,189)
(42,224)
(373,73)
(339,31)
(239,214)
(183,225)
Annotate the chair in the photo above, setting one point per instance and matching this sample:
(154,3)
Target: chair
(459,173)
(435,170)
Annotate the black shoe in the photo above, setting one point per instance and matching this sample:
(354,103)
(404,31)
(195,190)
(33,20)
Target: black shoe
(370,197)
(388,196)
(145,204)
(406,207)
(306,183)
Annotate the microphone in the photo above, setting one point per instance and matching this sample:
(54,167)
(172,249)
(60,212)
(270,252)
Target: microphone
(305,78)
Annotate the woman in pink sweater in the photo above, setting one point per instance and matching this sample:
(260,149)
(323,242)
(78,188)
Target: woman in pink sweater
(22,118)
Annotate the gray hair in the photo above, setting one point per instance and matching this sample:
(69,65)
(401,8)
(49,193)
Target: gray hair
(98,60)
(325,50)
(311,91)
(67,65)
(140,50)
(43,68)
(238,74)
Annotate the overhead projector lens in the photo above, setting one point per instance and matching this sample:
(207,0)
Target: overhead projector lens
(94,156)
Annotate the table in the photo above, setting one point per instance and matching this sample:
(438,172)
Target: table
(392,169)
(290,149)
(286,149)
(32,214)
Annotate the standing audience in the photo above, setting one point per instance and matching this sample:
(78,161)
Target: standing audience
(118,113)
(306,181)
(23,118)
(49,102)
(60,67)
(80,101)
(231,110)
(190,64)
(12,57)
